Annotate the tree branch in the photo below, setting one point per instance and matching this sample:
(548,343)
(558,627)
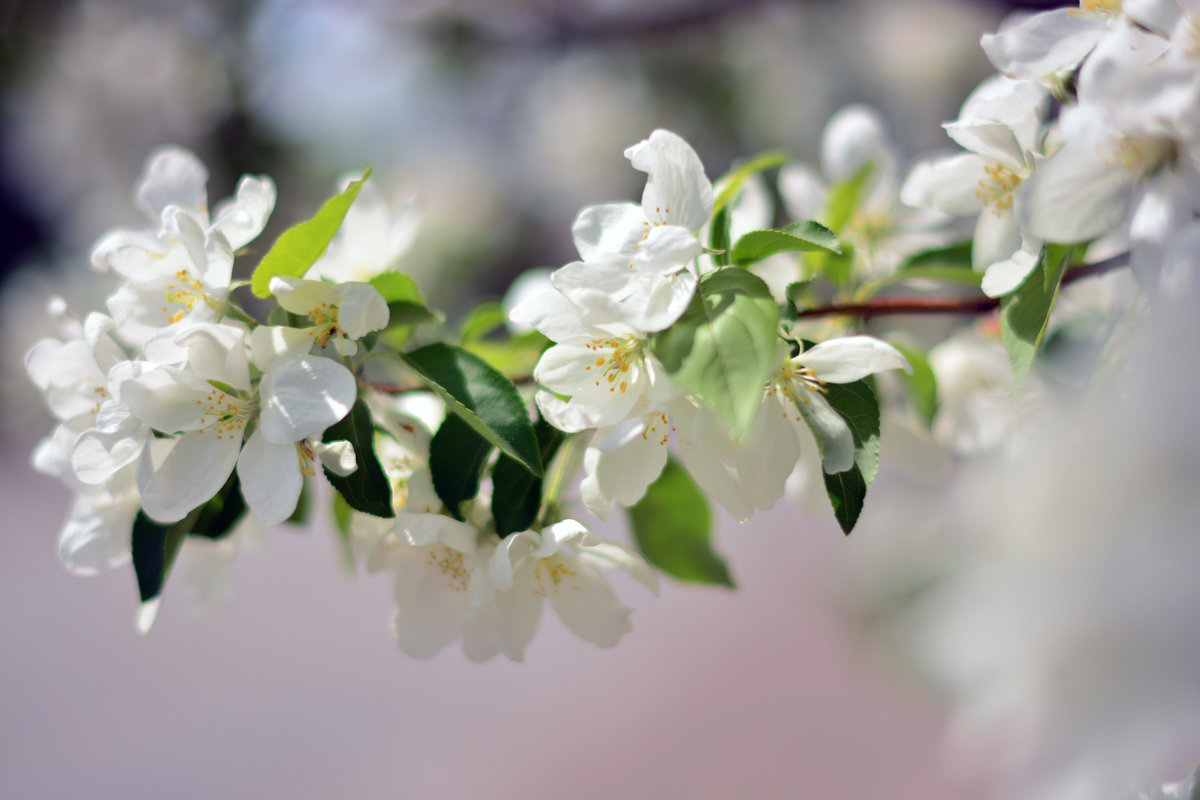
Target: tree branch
(978,304)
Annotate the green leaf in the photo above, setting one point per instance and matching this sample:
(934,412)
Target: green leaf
(732,182)
(342,514)
(397,287)
(482,396)
(955,256)
(724,347)
(842,201)
(456,457)
(859,406)
(514,358)
(216,518)
(516,494)
(154,547)
(299,247)
(921,384)
(808,236)
(672,527)
(1025,313)
(482,321)
(847,491)
(367,488)
(719,237)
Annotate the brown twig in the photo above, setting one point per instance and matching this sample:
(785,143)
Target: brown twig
(976,304)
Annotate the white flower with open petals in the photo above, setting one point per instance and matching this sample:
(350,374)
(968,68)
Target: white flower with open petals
(640,254)
(562,564)
(211,402)
(181,268)
(800,387)
(341,313)
(601,362)
(999,125)
(440,588)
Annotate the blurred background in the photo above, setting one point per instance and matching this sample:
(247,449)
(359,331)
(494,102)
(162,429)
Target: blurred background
(498,120)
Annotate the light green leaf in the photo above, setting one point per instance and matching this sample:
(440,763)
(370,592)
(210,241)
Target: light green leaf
(955,256)
(1025,313)
(724,347)
(342,515)
(397,287)
(300,246)
(732,182)
(482,321)
(672,527)
(808,236)
(921,384)
(482,396)
(367,488)
(843,198)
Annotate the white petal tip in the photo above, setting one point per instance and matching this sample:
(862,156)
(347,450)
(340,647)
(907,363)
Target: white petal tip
(147,614)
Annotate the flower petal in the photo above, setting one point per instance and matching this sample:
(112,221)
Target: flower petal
(192,473)
(584,601)
(607,230)
(851,358)
(271,478)
(244,217)
(173,176)
(304,396)
(837,452)
(361,309)
(948,185)
(677,190)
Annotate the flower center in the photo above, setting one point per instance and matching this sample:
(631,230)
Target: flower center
(796,382)
(1106,8)
(325,320)
(224,414)
(551,573)
(450,563)
(614,357)
(187,292)
(996,189)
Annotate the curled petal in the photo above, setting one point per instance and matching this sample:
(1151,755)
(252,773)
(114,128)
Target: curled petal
(851,358)
(677,190)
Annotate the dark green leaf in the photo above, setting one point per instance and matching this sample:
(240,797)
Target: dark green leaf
(482,396)
(154,547)
(847,491)
(806,236)
(724,347)
(456,457)
(859,406)
(300,246)
(1025,313)
(516,494)
(216,518)
(672,527)
(367,488)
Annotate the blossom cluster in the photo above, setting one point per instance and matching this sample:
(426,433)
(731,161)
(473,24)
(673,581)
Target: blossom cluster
(693,351)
